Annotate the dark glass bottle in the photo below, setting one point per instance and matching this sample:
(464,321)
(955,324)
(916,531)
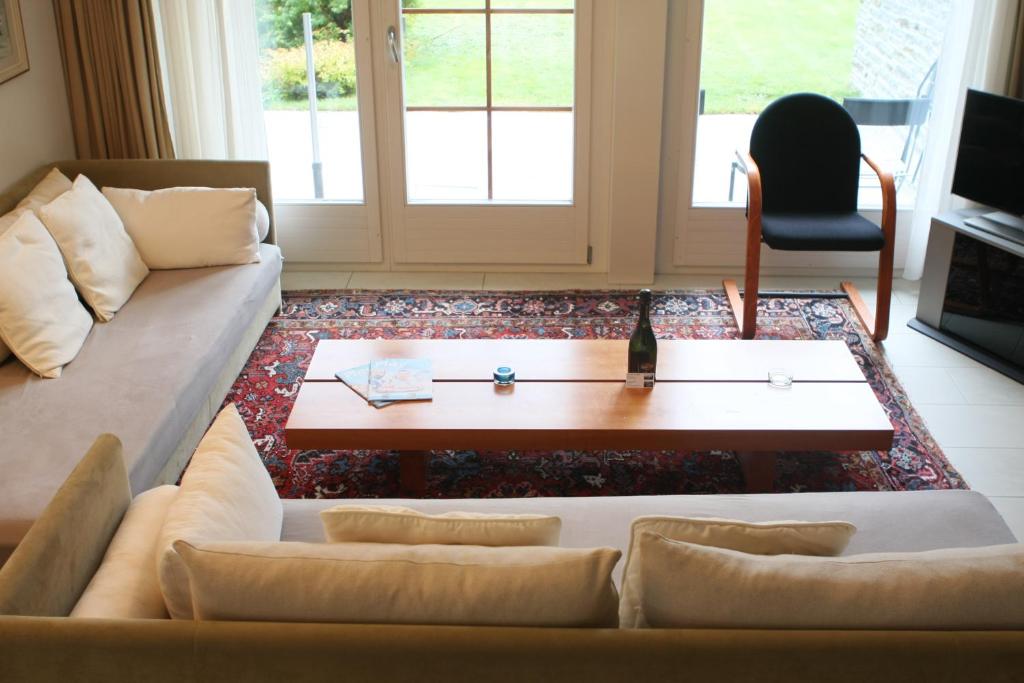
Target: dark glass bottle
(643,347)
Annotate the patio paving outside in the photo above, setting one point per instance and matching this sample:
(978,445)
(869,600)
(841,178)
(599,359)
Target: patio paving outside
(532,153)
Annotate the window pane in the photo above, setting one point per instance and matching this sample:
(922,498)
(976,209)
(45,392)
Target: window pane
(287,107)
(532,4)
(533,155)
(445,60)
(442,4)
(446,155)
(755,52)
(532,59)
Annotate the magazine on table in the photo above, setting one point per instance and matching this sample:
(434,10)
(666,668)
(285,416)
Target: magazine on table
(387,380)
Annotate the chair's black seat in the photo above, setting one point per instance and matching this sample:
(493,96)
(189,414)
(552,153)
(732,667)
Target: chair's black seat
(821,232)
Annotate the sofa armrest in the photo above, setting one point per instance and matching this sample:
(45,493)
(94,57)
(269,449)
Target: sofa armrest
(47,572)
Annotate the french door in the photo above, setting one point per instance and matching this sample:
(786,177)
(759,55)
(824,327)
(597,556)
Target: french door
(462,137)
(487,113)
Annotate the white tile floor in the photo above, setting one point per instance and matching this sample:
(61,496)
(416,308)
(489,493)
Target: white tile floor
(976,414)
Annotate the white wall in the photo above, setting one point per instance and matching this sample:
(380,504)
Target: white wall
(35,126)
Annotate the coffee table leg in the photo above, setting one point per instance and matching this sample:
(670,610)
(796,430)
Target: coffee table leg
(412,473)
(758,470)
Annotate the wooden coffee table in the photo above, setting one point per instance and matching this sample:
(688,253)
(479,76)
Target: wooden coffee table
(570,395)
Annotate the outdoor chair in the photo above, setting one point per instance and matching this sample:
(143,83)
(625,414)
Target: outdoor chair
(911,112)
(803,174)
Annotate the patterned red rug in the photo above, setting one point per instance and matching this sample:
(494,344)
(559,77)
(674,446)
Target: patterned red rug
(266,389)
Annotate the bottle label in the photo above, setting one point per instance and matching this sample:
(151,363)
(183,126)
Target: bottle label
(639,380)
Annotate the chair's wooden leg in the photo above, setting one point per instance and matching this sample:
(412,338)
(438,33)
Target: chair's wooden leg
(859,307)
(885,259)
(732,293)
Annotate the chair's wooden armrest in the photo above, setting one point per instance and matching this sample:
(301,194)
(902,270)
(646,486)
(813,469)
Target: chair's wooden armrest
(888,184)
(753,173)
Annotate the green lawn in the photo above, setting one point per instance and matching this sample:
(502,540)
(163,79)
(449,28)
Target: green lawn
(531,58)
(754,52)
(758,50)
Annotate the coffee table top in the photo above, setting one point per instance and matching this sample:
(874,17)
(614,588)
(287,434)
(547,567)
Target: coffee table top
(571,394)
(596,360)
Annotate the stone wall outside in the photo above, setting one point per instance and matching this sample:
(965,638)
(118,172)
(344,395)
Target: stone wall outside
(896,43)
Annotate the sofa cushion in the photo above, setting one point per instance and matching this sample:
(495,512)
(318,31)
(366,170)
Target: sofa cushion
(49,188)
(226,495)
(41,319)
(126,585)
(190,227)
(403,584)
(53,185)
(145,376)
(759,538)
(350,523)
(262,220)
(102,261)
(885,520)
(693,586)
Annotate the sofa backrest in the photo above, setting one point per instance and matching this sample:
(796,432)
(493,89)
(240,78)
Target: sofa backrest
(47,572)
(154,174)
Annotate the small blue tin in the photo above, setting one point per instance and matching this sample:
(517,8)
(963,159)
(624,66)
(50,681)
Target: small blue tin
(504,375)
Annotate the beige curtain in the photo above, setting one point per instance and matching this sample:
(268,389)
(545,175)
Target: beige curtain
(113,79)
(1015,86)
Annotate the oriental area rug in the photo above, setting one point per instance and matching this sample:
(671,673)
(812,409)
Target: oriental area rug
(266,388)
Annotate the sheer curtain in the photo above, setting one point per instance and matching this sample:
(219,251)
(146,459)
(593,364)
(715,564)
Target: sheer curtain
(210,53)
(982,36)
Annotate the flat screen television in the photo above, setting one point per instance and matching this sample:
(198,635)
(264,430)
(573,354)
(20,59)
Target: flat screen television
(990,161)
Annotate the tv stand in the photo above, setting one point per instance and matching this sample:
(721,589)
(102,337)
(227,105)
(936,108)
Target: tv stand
(972,291)
(999,223)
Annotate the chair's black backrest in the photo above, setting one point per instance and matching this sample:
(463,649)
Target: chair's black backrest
(808,151)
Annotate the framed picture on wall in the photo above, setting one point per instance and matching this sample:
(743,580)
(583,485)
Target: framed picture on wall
(13,51)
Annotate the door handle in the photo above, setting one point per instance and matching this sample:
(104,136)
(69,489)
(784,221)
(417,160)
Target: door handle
(393,44)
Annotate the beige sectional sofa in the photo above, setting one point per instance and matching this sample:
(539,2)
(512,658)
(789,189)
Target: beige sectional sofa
(155,375)
(43,580)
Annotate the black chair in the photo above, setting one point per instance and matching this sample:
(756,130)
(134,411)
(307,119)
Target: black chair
(803,174)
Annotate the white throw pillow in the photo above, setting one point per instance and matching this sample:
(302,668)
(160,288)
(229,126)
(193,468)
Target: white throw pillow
(759,538)
(6,221)
(693,586)
(403,584)
(262,221)
(101,259)
(41,319)
(53,185)
(392,524)
(126,585)
(226,495)
(190,227)
(49,188)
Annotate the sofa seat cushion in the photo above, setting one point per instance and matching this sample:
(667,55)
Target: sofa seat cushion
(144,376)
(886,521)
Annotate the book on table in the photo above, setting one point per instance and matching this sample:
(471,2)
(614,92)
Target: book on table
(387,380)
